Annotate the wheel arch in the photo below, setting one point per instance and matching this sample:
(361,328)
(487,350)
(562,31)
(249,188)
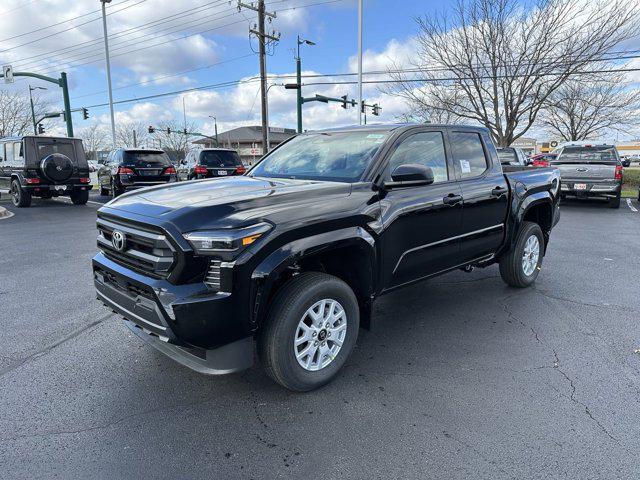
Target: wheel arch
(348,254)
(538,209)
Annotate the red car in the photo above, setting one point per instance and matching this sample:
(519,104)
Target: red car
(543,159)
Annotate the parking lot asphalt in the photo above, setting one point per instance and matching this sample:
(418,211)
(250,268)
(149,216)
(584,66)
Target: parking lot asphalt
(461,377)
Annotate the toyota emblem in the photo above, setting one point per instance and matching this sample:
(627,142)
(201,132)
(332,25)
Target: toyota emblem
(118,240)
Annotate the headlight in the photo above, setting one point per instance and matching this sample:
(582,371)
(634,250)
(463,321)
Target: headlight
(208,242)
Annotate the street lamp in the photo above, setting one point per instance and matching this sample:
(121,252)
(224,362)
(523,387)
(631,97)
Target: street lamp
(33,113)
(301,41)
(215,124)
(108,62)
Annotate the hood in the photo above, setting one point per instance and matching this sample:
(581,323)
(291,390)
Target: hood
(226,202)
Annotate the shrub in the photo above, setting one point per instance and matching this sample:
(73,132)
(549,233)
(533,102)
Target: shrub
(631,177)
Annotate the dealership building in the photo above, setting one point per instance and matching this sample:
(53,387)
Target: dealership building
(247,141)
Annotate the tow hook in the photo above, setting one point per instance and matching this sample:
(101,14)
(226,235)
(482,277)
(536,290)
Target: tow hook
(468,268)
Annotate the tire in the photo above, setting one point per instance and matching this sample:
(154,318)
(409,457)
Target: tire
(276,338)
(80,197)
(115,191)
(512,268)
(21,198)
(615,202)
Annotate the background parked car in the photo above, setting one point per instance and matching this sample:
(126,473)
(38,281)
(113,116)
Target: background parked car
(93,166)
(130,168)
(590,170)
(542,159)
(44,167)
(512,156)
(210,162)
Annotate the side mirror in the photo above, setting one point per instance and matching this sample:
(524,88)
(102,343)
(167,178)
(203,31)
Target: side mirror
(410,174)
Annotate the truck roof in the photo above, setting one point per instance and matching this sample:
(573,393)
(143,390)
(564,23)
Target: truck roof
(395,126)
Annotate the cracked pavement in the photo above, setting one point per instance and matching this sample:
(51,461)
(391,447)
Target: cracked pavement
(462,377)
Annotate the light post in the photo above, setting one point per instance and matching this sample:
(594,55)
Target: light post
(33,112)
(360,60)
(299,80)
(215,125)
(108,62)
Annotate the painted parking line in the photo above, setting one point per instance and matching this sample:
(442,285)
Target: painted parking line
(68,200)
(633,209)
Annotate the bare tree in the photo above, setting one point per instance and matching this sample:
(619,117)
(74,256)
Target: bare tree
(94,138)
(496,62)
(15,113)
(585,108)
(132,134)
(176,143)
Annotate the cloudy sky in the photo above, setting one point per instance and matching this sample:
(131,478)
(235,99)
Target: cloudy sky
(162,46)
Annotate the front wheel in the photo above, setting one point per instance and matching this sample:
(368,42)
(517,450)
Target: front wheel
(310,331)
(520,267)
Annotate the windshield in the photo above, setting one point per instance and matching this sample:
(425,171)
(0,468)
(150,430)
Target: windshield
(338,157)
(221,158)
(507,156)
(145,159)
(602,155)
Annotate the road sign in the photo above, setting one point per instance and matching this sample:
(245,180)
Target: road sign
(7,70)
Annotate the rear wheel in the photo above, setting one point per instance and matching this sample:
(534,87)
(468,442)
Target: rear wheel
(520,267)
(80,197)
(615,202)
(115,191)
(310,331)
(19,196)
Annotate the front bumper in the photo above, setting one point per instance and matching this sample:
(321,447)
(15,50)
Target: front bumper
(190,324)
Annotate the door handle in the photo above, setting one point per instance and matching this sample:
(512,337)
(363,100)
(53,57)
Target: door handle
(498,191)
(452,199)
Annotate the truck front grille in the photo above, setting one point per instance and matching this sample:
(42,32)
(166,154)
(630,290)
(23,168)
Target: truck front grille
(144,249)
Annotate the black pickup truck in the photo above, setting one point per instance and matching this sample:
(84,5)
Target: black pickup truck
(291,255)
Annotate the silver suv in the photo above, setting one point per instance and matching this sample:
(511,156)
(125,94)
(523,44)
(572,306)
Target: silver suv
(590,170)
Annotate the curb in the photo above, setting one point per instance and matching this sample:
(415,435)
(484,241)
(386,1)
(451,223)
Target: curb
(4,213)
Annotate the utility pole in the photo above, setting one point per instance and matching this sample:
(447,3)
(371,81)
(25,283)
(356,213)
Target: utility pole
(108,62)
(135,139)
(360,58)
(259,31)
(215,126)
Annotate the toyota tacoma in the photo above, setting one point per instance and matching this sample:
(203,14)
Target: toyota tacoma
(290,257)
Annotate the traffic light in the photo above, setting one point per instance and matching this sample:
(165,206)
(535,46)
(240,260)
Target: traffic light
(151,129)
(344,101)
(363,106)
(168,131)
(184,131)
(40,129)
(376,109)
(85,113)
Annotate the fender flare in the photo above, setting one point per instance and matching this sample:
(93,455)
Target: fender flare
(530,201)
(266,274)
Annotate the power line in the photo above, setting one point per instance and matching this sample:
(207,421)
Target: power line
(59,23)
(18,7)
(350,82)
(121,33)
(69,29)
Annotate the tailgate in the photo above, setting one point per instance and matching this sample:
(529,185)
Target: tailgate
(588,172)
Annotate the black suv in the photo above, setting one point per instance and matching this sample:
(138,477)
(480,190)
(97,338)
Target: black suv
(44,167)
(130,168)
(210,162)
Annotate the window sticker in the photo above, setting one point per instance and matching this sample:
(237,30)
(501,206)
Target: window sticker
(465,166)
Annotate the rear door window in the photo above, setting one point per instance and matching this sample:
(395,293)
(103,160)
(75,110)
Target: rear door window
(468,154)
(220,159)
(46,149)
(142,159)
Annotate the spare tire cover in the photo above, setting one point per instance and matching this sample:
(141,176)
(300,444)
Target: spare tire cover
(57,167)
